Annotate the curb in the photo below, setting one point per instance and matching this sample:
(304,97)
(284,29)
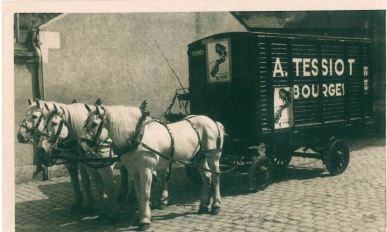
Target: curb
(24,173)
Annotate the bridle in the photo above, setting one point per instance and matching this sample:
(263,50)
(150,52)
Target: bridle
(33,133)
(54,140)
(94,138)
(96,146)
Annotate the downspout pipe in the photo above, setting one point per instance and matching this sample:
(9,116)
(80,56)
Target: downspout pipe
(39,93)
(36,46)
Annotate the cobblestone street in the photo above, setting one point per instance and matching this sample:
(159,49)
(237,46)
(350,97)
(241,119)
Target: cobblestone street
(302,198)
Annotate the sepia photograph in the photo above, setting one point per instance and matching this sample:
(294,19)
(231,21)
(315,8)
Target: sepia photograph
(194,120)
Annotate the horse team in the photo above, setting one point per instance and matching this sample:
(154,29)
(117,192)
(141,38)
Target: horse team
(142,143)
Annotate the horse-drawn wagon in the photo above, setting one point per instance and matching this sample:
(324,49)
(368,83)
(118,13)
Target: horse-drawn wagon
(283,92)
(272,94)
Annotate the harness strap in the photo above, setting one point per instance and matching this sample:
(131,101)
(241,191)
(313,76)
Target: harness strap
(34,129)
(172,147)
(99,131)
(218,140)
(197,133)
(59,130)
(39,121)
(131,144)
(183,162)
(136,141)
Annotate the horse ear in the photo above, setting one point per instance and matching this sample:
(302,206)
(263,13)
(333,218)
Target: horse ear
(87,107)
(38,103)
(99,110)
(56,109)
(45,105)
(29,102)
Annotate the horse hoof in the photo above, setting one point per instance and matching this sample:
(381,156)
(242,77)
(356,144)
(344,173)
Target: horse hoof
(215,210)
(162,206)
(203,210)
(76,207)
(143,226)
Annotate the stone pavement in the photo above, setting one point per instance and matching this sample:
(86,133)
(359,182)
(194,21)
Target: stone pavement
(303,198)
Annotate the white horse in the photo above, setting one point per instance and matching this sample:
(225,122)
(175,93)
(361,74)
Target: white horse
(65,124)
(29,132)
(129,128)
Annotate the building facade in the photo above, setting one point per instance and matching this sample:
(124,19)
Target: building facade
(113,56)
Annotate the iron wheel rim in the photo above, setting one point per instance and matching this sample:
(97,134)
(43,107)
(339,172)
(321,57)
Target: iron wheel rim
(337,157)
(260,173)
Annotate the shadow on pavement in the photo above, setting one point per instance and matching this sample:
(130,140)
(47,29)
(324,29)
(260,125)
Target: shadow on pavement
(46,205)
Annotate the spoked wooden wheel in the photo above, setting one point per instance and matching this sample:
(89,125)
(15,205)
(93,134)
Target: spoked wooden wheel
(337,157)
(260,173)
(280,155)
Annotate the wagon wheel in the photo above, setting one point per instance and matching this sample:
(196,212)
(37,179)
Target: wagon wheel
(337,157)
(260,173)
(193,175)
(280,155)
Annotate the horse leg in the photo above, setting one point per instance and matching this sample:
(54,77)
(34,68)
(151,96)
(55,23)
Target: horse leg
(137,186)
(108,186)
(146,184)
(124,185)
(99,185)
(164,194)
(206,177)
(78,199)
(87,187)
(213,162)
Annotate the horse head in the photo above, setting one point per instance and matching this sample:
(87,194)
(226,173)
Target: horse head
(33,123)
(57,131)
(95,132)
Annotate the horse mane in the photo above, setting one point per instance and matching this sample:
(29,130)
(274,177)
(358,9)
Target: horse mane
(75,116)
(121,122)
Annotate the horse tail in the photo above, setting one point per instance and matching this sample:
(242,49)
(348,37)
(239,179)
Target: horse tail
(222,132)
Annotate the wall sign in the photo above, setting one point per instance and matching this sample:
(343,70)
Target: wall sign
(198,53)
(283,107)
(218,61)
